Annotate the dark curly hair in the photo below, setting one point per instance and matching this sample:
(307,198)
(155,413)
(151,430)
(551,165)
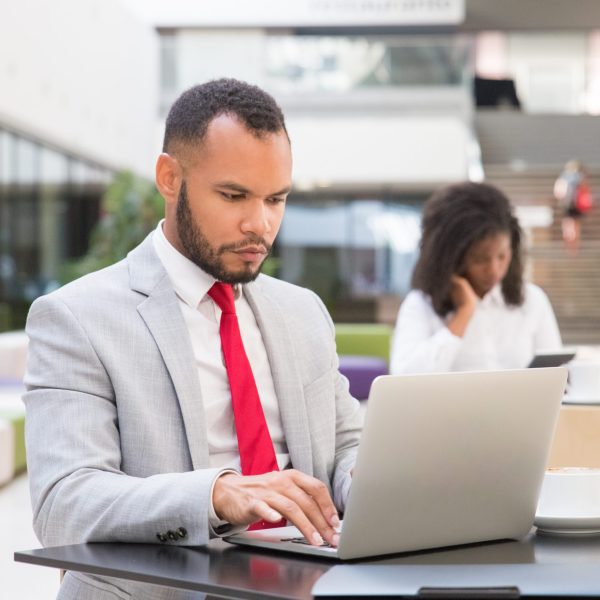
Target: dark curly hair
(454,218)
(191,114)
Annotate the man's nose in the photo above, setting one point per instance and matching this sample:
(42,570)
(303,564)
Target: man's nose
(256,219)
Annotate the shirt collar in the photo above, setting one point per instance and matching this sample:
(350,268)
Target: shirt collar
(494,296)
(189,281)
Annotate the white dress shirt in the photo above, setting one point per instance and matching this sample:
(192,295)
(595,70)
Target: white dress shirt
(202,317)
(498,336)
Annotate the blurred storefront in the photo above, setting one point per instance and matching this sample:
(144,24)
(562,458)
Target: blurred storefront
(79,85)
(49,203)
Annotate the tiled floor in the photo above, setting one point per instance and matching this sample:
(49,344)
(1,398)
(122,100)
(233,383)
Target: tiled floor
(20,581)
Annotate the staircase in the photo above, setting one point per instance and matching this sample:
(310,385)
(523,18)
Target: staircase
(572,281)
(522,154)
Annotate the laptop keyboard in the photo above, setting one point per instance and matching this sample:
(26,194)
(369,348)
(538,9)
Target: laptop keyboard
(303,540)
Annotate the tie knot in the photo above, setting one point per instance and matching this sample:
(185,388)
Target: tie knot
(222,294)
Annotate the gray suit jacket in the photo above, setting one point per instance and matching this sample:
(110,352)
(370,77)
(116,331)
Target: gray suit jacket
(116,437)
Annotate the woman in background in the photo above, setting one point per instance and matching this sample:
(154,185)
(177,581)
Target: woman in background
(470,308)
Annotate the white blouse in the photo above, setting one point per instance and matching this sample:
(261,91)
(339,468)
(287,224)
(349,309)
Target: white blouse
(498,336)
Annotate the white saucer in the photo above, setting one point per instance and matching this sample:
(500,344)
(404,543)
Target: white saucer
(561,525)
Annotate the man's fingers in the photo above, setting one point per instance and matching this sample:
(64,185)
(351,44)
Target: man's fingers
(319,493)
(301,499)
(278,507)
(312,511)
(305,502)
(293,513)
(264,512)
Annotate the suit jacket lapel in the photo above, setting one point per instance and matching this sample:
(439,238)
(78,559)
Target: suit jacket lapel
(161,313)
(287,381)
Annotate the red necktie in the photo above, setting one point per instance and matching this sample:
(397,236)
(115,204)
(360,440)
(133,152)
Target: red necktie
(257,454)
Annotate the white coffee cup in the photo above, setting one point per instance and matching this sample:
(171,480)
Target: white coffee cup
(584,379)
(570,492)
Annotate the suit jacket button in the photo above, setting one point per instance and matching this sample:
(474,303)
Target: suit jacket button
(172,535)
(182,532)
(161,537)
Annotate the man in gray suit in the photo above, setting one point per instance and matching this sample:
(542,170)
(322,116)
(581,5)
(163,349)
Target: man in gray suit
(131,434)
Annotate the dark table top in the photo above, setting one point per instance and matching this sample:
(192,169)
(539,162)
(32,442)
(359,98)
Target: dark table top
(235,572)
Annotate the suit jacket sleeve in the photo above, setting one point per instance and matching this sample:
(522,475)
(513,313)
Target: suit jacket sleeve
(348,428)
(79,492)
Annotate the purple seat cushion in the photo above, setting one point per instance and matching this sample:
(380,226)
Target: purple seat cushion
(360,371)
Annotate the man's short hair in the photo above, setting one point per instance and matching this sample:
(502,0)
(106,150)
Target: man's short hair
(191,114)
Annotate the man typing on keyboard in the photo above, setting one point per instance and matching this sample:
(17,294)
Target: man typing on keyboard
(180,394)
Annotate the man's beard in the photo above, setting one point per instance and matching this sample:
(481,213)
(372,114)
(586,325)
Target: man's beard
(198,249)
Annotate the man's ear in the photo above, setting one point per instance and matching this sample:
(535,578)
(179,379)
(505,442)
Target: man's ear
(168,177)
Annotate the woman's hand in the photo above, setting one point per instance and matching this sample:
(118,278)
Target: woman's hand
(462,293)
(465,302)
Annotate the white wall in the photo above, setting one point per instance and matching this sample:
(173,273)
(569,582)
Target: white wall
(414,137)
(550,70)
(82,74)
(214,54)
(367,151)
(282,13)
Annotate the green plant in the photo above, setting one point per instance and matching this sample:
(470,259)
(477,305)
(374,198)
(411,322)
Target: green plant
(271,266)
(130,209)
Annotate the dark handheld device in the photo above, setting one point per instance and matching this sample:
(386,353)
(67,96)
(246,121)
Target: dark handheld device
(551,359)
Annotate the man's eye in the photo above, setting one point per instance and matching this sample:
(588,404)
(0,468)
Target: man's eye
(276,200)
(234,196)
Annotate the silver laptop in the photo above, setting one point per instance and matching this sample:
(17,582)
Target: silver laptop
(444,459)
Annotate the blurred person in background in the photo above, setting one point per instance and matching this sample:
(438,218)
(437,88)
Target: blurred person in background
(469,308)
(572,191)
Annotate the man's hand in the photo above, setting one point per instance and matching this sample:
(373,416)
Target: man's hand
(301,499)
